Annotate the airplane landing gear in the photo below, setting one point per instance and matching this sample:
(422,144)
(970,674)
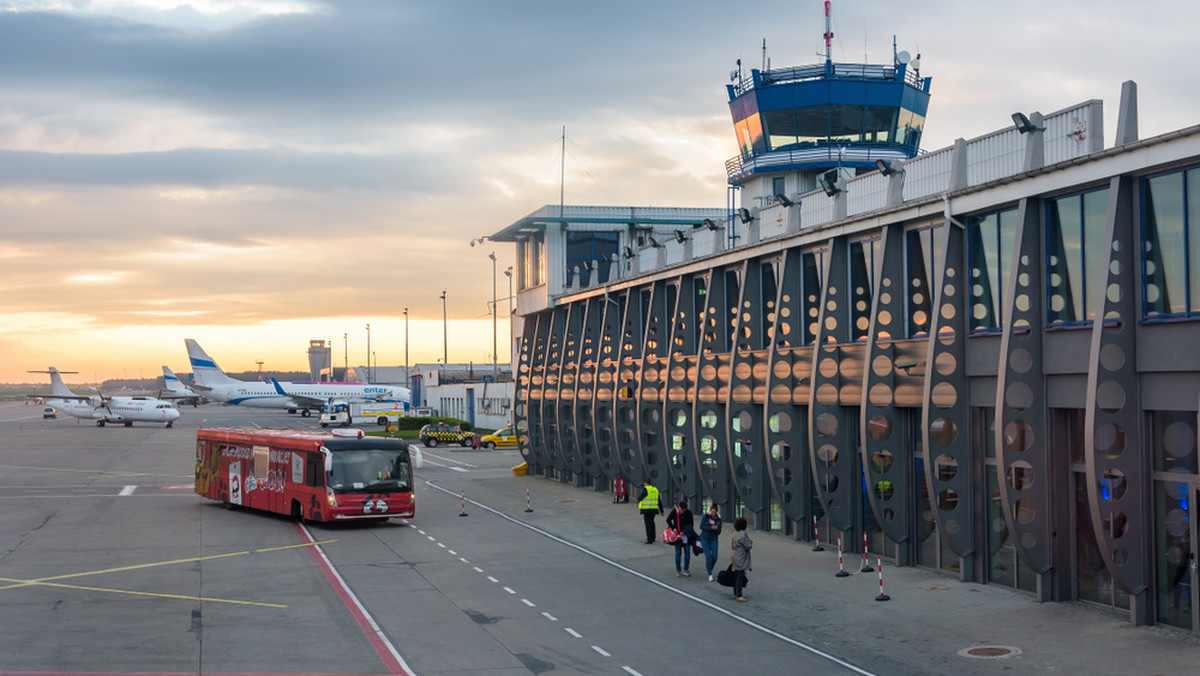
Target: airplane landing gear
(304,413)
(99,423)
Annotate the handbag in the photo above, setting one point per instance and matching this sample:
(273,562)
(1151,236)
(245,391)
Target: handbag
(670,536)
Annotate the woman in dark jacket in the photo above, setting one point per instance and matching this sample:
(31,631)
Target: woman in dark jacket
(710,531)
(740,554)
(681,519)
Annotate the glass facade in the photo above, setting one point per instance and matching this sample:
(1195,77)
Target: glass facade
(1171,243)
(921,251)
(990,240)
(1074,253)
(864,258)
(587,251)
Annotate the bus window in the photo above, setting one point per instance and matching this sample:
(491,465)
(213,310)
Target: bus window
(314,469)
(369,470)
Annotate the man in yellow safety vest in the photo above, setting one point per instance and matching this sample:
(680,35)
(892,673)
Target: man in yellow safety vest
(649,504)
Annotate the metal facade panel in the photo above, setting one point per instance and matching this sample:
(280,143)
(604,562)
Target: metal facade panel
(711,376)
(946,408)
(1022,435)
(787,393)
(651,394)
(927,175)
(830,425)
(550,413)
(996,156)
(816,208)
(537,432)
(1115,454)
(606,386)
(585,393)
(748,372)
(1074,132)
(886,459)
(523,389)
(629,367)
(568,387)
(681,367)
(866,193)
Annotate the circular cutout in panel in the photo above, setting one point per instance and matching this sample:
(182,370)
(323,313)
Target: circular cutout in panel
(741,422)
(945,363)
(889,515)
(781,369)
(828,368)
(1179,440)
(781,452)
(1028,540)
(881,461)
(884,318)
(1020,360)
(800,370)
(1176,522)
(1018,436)
(651,414)
(783,477)
(1020,475)
(827,395)
(943,395)
(1110,396)
(678,417)
(742,394)
(627,414)
(1022,302)
(830,483)
(1024,511)
(708,420)
(708,372)
(1116,525)
(943,431)
(945,468)
(827,455)
(1120,556)
(881,394)
(1109,440)
(947,500)
(1113,485)
(780,423)
(742,370)
(781,394)
(707,394)
(884,490)
(677,394)
(744,471)
(879,428)
(626,437)
(882,365)
(1018,395)
(1113,292)
(827,424)
(1112,357)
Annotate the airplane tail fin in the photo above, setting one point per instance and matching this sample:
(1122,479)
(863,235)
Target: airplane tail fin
(204,370)
(57,387)
(172,384)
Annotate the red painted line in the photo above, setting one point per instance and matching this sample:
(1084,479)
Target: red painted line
(374,634)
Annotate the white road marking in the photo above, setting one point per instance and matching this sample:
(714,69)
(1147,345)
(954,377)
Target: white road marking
(459,469)
(477,569)
(463,560)
(509,590)
(630,670)
(493,579)
(574,633)
(712,606)
(442,545)
(601,651)
(550,617)
(529,603)
(128,490)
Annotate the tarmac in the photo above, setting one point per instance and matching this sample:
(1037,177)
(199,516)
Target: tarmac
(931,624)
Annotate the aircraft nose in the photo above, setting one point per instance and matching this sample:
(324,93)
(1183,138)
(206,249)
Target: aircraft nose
(172,414)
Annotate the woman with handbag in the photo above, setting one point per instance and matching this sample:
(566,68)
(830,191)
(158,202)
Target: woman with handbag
(740,557)
(710,531)
(684,523)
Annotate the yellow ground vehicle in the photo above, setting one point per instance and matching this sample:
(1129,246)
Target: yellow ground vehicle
(502,437)
(440,433)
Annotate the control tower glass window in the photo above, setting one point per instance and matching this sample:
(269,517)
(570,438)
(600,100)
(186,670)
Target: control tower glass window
(588,250)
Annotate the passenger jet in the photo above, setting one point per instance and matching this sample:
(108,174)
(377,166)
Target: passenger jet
(106,409)
(209,380)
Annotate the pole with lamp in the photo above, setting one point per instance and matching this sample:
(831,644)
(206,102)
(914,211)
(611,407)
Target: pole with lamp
(346,355)
(368,353)
(495,366)
(406,373)
(445,335)
(508,272)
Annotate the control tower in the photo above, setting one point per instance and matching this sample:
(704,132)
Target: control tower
(804,122)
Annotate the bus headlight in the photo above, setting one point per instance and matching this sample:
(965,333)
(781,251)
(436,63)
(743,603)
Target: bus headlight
(331,498)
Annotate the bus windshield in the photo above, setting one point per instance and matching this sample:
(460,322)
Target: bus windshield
(373,469)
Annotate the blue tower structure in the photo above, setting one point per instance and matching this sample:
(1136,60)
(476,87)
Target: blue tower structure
(809,119)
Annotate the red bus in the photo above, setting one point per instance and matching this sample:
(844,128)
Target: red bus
(311,475)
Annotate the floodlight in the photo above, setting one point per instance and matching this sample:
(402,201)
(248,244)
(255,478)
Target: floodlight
(829,186)
(1024,125)
(782,199)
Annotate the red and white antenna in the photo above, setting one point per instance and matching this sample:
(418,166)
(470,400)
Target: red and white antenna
(828,33)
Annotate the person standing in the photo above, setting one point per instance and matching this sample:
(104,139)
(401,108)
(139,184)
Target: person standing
(682,520)
(649,504)
(710,531)
(740,555)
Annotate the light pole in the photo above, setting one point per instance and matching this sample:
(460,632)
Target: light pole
(407,375)
(368,353)
(495,367)
(508,272)
(345,355)
(445,335)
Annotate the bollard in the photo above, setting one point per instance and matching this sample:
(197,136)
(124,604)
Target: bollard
(879,565)
(528,505)
(841,568)
(866,562)
(464,503)
(817,537)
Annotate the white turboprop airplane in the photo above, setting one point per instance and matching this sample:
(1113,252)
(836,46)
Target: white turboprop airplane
(173,388)
(209,380)
(107,409)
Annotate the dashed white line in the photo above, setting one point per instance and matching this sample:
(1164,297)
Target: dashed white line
(529,603)
(419,530)
(630,670)
(441,545)
(452,552)
(463,560)
(477,569)
(128,490)
(601,651)
(573,632)
(509,590)
(459,469)
(550,617)
(492,579)
(431,538)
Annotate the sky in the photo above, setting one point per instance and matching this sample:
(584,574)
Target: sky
(256,175)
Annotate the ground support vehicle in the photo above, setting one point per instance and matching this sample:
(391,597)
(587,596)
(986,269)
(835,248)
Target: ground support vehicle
(441,433)
(505,437)
(310,475)
(345,414)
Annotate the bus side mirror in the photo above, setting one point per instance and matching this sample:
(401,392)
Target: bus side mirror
(328,458)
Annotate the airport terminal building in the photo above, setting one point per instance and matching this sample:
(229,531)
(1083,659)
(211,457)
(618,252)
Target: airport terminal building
(984,357)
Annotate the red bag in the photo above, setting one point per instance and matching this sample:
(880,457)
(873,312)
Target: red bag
(670,536)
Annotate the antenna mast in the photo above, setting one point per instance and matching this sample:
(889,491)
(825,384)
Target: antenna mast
(828,34)
(562,172)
